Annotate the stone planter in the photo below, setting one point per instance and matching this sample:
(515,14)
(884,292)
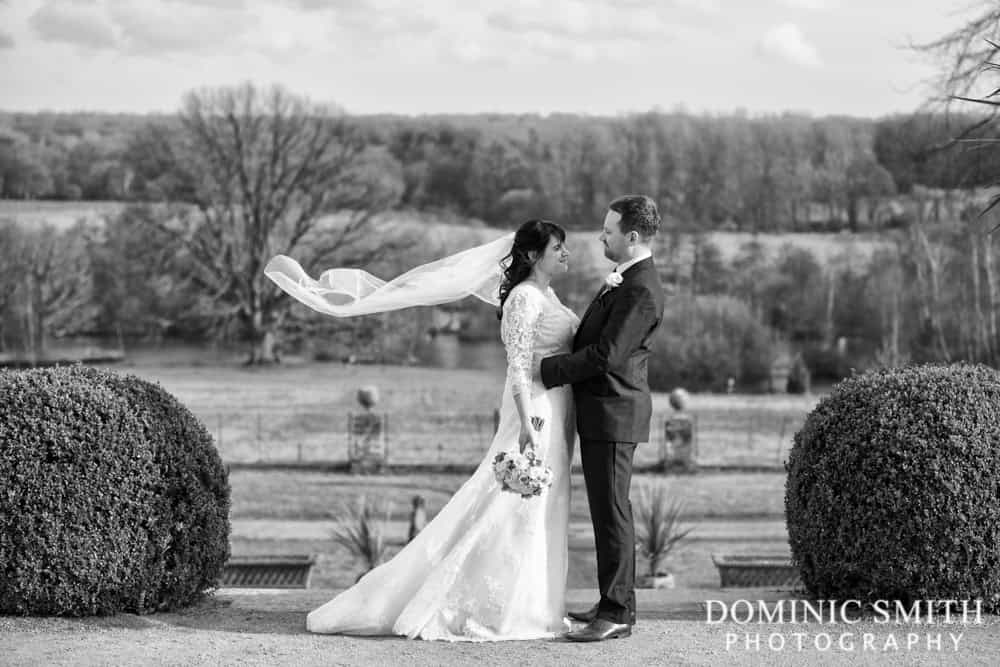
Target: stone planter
(755,570)
(267,571)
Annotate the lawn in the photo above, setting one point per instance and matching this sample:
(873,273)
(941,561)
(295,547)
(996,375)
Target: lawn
(57,213)
(314,495)
(736,498)
(299,411)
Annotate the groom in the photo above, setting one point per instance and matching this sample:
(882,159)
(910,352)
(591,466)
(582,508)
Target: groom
(607,369)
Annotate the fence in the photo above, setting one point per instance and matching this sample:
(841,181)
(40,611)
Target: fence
(722,438)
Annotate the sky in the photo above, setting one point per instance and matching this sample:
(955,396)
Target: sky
(600,57)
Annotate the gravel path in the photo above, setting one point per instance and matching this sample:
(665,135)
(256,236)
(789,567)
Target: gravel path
(245,627)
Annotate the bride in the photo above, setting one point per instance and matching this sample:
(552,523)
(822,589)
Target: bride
(490,566)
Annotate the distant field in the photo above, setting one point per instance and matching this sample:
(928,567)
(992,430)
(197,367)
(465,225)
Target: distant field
(299,412)
(451,234)
(59,214)
(825,247)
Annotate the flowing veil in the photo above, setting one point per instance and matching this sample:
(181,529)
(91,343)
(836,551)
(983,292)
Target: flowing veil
(348,292)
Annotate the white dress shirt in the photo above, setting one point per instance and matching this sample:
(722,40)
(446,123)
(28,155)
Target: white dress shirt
(622,268)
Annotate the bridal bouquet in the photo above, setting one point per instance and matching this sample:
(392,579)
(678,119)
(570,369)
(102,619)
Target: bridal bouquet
(524,474)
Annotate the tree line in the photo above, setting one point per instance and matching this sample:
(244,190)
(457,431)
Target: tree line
(783,172)
(242,173)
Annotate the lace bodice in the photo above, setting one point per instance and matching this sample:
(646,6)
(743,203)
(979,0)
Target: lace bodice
(535,325)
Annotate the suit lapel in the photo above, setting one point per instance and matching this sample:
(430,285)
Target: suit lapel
(593,302)
(633,272)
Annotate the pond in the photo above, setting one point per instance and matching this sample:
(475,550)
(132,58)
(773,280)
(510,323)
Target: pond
(444,351)
(449,352)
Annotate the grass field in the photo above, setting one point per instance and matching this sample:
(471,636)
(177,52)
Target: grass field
(736,498)
(57,213)
(307,403)
(457,233)
(299,411)
(302,495)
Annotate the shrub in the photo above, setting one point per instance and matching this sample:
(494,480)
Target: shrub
(115,498)
(703,342)
(893,488)
(74,507)
(189,538)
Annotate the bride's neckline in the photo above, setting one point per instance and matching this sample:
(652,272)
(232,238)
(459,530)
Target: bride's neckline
(548,293)
(538,287)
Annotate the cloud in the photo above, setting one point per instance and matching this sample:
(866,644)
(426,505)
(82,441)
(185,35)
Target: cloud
(711,7)
(315,5)
(492,32)
(6,41)
(218,4)
(73,22)
(565,17)
(387,17)
(786,42)
(597,21)
(813,5)
(173,26)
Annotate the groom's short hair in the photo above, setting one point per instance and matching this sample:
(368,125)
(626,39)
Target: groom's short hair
(638,214)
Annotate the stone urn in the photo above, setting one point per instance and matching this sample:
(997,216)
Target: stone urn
(368,396)
(679,399)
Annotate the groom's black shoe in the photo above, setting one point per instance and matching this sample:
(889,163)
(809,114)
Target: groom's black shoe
(584,616)
(591,614)
(600,629)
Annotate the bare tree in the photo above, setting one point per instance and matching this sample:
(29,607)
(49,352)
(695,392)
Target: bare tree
(274,174)
(57,286)
(13,266)
(964,52)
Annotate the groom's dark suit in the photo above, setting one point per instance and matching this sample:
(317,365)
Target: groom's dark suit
(608,371)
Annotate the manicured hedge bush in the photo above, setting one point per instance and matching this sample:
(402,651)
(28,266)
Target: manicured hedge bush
(113,496)
(893,488)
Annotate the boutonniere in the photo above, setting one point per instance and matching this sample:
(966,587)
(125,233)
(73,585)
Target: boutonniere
(613,280)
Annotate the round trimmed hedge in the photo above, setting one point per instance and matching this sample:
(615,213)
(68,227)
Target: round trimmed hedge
(893,488)
(113,496)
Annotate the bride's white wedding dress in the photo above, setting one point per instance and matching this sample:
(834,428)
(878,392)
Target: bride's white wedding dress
(490,566)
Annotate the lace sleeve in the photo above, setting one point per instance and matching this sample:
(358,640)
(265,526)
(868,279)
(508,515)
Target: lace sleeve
(521,316)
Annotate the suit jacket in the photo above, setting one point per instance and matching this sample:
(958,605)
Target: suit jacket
(609,362)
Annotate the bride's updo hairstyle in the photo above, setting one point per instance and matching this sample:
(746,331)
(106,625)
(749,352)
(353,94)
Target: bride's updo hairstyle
(531,237)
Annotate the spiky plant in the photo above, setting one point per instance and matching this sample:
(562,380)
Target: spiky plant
(657,525)
(361,529)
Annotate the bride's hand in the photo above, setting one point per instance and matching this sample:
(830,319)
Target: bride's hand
(530,435)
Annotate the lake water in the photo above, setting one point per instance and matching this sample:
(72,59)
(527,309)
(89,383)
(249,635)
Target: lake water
(447,351)
(444,351)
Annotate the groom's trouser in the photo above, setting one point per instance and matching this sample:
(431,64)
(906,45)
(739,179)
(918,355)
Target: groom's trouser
(607,470)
